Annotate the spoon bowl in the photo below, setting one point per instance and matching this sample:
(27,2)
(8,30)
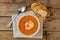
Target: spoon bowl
(22,8)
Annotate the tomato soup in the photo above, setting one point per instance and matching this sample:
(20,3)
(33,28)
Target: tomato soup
(28,25)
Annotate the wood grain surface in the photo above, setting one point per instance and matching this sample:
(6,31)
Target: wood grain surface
(8,35)
(51,26)
(54,3)
(53,36)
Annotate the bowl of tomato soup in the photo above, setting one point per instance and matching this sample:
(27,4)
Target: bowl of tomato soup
(28,24)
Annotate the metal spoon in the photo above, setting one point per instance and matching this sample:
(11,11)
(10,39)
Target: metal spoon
(21,9)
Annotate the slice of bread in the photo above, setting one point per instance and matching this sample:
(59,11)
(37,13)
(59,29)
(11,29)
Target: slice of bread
(40,10)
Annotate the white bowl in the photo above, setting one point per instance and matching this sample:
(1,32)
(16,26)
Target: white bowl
(25,14)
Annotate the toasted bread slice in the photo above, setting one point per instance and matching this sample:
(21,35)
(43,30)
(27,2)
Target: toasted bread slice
(40,10)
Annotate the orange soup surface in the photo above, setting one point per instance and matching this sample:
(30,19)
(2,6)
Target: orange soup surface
(28,25)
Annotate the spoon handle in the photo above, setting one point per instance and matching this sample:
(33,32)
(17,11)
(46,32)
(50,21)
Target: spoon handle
(9,25)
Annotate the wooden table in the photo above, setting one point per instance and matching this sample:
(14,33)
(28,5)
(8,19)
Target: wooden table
(51,25)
